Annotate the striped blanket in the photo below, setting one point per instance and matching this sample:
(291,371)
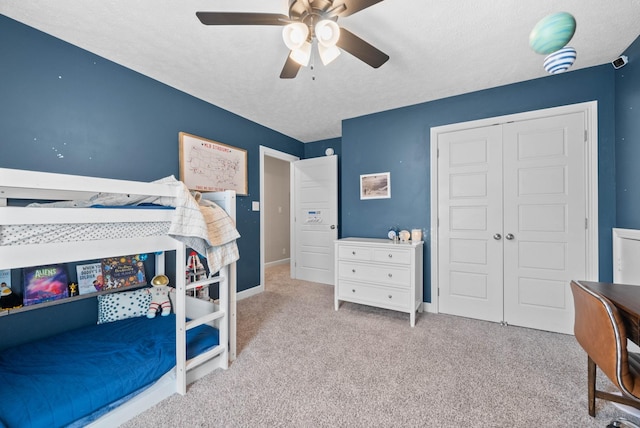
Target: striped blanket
(203,225)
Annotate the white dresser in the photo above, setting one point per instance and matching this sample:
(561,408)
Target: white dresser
(379,272)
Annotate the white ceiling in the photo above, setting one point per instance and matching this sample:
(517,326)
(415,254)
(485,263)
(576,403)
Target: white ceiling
(438,48)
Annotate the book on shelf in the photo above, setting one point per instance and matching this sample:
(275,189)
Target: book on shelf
(89,278)
(123,271)
(8,298)
(44,283)
(5,278)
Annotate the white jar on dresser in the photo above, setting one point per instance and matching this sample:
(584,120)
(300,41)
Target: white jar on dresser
(379,272)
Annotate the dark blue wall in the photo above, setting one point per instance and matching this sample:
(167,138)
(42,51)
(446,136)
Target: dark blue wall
(398,141)
(63,109)
(628,140)
(66,110)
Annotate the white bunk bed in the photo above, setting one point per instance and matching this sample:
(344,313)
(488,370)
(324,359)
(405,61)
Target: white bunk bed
(189,312)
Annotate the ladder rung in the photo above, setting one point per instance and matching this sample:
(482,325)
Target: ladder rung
(201,358)
(204,319)
(203,282)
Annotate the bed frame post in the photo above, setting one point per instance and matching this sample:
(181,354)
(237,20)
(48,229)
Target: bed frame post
(160,266)
(181,327)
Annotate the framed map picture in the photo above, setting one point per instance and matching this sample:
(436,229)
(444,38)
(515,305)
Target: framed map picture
(209,166)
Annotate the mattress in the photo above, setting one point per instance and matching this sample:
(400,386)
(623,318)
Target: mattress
(61,379)
(30,234)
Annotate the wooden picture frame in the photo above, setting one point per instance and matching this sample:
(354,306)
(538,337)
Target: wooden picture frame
(210,166)
(375,186)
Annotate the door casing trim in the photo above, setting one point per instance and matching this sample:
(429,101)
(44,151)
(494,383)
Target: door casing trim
(590,109)
(266,151)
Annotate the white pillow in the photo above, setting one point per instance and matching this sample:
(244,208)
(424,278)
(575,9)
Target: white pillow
(119,306)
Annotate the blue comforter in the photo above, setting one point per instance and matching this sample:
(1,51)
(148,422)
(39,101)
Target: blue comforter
(58,380)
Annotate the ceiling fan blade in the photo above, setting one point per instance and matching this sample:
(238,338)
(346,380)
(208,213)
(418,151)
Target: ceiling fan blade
(290,69)
(361,49)
(240,18)
(306,5)
(354,6)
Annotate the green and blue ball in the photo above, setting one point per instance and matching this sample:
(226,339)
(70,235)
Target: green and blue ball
(552,33)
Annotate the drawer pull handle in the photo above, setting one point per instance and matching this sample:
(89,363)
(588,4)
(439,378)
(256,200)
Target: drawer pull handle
(390,275)
(390,296)
(390,256)
(353,252)
(353,290)
(353,270)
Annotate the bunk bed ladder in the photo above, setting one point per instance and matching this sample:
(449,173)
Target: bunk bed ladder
(221,351)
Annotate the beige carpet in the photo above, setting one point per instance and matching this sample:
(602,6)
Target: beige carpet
(302,364)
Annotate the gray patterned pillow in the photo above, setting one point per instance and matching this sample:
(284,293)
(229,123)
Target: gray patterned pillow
(119,306)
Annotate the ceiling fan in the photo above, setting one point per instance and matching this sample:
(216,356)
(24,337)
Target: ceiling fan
(309,20)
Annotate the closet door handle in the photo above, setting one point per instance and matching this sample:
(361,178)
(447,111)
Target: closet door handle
(509,236)
(497,237)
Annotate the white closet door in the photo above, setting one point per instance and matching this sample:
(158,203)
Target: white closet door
(512,213)
(470,223)
(544,220)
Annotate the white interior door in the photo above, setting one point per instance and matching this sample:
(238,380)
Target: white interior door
(512,215)
(315,218)
(470,223)
(544,220)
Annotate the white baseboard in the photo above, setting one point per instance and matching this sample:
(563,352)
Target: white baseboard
(250,292)
(277,262)
(428,307)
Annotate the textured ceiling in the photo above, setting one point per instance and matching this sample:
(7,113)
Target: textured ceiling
(438,48)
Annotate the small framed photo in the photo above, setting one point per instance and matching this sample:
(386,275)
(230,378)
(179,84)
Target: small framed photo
(375,186)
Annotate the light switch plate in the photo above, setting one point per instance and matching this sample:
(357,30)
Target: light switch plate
(255,205)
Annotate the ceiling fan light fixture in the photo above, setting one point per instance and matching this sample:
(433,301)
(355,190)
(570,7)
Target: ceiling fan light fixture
(327,32)
(309,22)
(328,53)
(302,55)
(295,35)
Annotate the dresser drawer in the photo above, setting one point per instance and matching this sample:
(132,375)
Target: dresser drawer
(376,296)
(379,272)
(399,256)
(398,276)
(350,252)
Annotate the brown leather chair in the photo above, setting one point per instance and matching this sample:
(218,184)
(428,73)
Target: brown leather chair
(600,331)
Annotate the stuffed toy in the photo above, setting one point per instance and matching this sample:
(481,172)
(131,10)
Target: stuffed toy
(159,296)
(8,299)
